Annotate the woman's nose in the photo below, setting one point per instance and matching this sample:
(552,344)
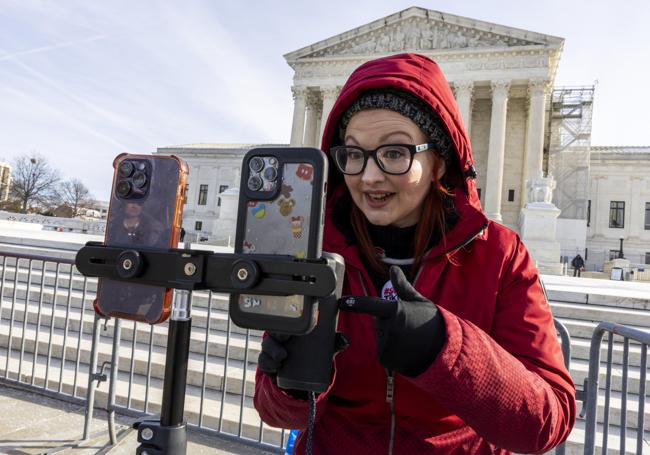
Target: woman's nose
(372,173)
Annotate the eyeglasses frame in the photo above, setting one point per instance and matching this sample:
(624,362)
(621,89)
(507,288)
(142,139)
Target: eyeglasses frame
(414,149)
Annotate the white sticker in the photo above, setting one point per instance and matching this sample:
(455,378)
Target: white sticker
(388,291)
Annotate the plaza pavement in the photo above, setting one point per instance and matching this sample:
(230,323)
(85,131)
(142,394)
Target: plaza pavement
(34,424)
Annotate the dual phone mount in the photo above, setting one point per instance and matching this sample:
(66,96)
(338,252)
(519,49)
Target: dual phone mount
(308,367)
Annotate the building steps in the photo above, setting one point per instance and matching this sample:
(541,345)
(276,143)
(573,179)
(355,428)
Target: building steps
(236,373)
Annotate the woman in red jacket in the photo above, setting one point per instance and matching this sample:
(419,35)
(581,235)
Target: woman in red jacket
(467,359)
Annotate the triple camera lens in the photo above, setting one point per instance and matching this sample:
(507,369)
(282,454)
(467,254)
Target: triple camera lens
(132,179)
(264,173)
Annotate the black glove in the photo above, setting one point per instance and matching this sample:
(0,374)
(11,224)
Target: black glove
(273,353)
(410,331)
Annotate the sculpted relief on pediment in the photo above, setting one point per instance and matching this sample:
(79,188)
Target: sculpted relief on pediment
(419,35)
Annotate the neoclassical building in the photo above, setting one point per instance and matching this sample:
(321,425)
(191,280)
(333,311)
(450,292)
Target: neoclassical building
(520,127)
(501,77)
(619,205)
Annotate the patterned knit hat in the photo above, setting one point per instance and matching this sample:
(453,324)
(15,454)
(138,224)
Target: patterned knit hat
(409,106)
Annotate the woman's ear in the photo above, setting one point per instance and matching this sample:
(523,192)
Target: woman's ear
(440,171)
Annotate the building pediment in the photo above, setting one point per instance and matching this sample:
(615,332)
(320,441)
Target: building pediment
(419,29)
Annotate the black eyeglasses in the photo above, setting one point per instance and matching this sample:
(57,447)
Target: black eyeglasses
(394,159)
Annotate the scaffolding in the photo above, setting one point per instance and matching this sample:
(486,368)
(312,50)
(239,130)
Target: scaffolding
(567,148)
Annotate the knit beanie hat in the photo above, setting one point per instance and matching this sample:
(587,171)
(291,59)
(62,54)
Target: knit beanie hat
(409,106)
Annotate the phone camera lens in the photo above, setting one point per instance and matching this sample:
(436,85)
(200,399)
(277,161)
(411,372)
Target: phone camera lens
(270,174)
(123,188)
(126,168)
(254,183)
(256,164)
(139,179)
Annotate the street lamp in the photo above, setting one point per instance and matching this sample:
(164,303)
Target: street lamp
(620,249)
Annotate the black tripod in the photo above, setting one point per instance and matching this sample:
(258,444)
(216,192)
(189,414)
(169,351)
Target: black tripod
(307,368)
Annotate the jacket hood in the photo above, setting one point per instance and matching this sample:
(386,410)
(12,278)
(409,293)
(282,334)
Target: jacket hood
(421,77)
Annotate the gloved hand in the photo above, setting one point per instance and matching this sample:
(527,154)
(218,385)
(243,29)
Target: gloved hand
(273,353)
(410,332)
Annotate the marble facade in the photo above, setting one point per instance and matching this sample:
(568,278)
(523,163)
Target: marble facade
(500,75)
(501,78)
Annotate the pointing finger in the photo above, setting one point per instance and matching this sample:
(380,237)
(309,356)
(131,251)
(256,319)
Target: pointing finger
(373,306)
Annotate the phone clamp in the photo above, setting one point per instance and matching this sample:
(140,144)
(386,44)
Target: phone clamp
(129,264)
(309,367)
(265,274)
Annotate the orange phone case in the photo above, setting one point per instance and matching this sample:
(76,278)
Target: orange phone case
(148,217)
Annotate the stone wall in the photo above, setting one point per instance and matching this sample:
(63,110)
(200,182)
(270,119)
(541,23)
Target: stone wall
(53,223)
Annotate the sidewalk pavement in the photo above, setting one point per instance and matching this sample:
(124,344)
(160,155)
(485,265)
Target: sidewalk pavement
(34,424)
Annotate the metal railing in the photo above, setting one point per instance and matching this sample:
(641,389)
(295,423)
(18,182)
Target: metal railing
(565,342)
(52,342)
(28,308)
(642,339)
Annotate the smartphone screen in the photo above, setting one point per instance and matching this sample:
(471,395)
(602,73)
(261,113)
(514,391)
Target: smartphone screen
(145,211)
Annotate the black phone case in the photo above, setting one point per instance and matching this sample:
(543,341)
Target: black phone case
(284,220)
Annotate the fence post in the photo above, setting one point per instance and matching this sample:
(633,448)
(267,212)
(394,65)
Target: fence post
(592,390)
(92,376)
(115,360)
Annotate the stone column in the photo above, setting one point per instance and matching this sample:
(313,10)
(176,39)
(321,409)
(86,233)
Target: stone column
(637,208)
(534,153)
(496,150)
(298,128)
(319,119)
(329,97)
(598,220)
(464,91)
(311,119)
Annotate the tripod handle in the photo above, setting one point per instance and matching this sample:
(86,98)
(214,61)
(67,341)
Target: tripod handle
(309,362)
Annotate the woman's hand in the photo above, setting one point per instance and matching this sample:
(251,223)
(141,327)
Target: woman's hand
(410,332)
(273,353)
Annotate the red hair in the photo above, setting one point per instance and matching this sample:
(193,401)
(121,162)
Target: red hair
(432,220)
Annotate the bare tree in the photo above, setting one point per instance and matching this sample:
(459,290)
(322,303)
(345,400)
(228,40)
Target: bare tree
(33,181)
(75,195)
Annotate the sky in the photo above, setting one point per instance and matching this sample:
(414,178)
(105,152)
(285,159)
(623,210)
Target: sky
(82,81)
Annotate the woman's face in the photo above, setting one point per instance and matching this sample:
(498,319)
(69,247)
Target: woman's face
(383,198)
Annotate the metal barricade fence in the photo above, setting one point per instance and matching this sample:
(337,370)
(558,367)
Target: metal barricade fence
(51,342)
(32,352)
(565,341)
(632,386)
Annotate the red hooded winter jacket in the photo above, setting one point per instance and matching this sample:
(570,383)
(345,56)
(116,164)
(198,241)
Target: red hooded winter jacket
(498,385)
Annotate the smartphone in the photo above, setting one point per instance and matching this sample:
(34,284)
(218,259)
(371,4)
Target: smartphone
(281,211)
(145,211)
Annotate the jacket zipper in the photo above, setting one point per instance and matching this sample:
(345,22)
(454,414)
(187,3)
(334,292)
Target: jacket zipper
(390,392)
(390,379)
(390,384)
(390,388)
